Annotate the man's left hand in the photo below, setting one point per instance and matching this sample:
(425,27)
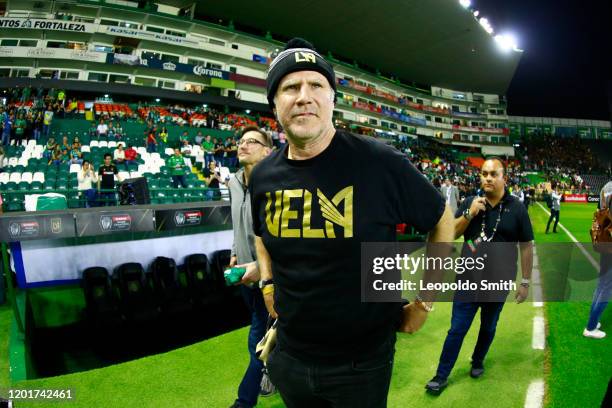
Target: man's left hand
(521,294)
(252,273)
(413,318)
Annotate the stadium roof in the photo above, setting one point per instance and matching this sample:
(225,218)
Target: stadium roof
(435,42)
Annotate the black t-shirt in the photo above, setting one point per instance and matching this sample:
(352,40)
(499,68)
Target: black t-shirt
(107,182)
(357,190)
(514,226)
(214,183)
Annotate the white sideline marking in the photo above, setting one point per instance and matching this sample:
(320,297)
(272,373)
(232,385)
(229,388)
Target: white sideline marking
(578,244)
(535,394)
(538,341)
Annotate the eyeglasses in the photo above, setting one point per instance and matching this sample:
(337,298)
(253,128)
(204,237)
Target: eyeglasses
(249,142)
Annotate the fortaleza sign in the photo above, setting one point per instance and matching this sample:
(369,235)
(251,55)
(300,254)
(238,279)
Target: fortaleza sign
(41,24)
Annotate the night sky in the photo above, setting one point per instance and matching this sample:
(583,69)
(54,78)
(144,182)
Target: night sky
(565,70)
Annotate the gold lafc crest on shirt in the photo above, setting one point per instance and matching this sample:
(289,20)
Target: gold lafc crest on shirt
(279,212)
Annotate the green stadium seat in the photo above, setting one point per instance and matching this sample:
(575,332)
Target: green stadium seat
(23,186)
(61,184)
(36,185)
(10,186)
(49,185)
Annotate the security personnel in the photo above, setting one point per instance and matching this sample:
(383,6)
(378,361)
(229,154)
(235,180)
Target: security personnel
(497,217)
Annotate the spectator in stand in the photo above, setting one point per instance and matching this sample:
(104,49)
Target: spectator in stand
(106,181)
(119,156)
(102,130)
(76,157)
(20,125)
(7,125)
(118,130)
(56,156)
(199,138)
(65,143)
(231,152)
(2,157)
(47,120)
(38,125)
(130,155)
(212,176)
(151,137)
(450,194)
(219,149)
(184,138)
(86,177)
(177,172)
(49,149)
(29,118)
(76,143)
(186,148)
(163,138)
(111,130)
(93,130)
(209,150)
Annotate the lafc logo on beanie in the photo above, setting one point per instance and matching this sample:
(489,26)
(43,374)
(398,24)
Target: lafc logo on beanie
(305,57)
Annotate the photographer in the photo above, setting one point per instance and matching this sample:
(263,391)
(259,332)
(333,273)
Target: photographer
(86,177)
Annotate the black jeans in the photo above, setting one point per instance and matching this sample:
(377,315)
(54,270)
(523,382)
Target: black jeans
(461,320)
(553,214)
(352,384)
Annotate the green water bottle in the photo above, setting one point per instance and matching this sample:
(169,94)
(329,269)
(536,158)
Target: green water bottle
(233,275)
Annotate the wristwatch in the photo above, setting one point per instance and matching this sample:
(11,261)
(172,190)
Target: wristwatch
(467,214)
(265,282)
(525,283)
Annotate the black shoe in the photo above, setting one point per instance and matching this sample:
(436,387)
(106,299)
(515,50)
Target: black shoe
(237,405)
(554,231)
(477,371)
(546,232)
(436,385)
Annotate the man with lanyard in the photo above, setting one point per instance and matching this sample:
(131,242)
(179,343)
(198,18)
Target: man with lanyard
(314,202)
(498,217)
(255,145)
(106,181)
(555,209)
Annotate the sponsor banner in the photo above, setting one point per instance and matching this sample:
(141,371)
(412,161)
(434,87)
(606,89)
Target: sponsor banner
(468,115)
(166,220)
(28,227)
(593,198)
(123,59)
(148,35)
(198,70)
(261,59)
(502,131)
(43,24)
(433,109)
(54,53)
(575,198)
(108,222)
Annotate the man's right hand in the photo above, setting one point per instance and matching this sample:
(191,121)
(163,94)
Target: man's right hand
(478,205)
(269,301)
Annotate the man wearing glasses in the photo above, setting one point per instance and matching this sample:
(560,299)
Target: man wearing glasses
(254,145)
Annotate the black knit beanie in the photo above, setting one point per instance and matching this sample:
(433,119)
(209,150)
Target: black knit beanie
(298,55)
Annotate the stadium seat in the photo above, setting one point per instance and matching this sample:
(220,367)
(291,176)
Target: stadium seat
(74,168)
(36,185)
(103,143)
(101,304)
(85,149)
(219,261)
(4,178)
(112,144)
(15,177)
(26,177)
(39,176)
(93,143)
(12,161)
(199,283)
(171,296)
(136,297)
(169,151)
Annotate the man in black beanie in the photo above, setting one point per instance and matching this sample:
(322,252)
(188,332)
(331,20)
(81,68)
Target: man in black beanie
(313,203)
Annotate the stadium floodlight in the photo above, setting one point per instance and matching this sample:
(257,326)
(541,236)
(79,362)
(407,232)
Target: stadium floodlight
(465,3)
(156,99)
(248,111)
(476,13)
(484,22)
(506,42)
(106,95)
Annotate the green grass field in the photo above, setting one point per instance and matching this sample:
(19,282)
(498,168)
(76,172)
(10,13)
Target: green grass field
(207,374)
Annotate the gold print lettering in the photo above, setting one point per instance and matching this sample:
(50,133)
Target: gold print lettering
(289,214)
(307,231)
(330,211)
(273,221)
